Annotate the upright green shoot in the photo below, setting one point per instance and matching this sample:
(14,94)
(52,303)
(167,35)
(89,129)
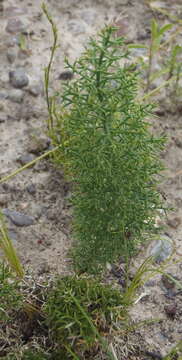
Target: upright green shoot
(9,250)
(156,37)
(108,153)
(50,99)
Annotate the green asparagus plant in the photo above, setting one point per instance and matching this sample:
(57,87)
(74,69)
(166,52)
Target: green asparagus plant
(108,153)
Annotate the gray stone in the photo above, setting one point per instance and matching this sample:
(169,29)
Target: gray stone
(25,159)
(18,78)
(16,95)
(17,218)
(36,89)
(13,235)
(3,95)
(4,199)
(37,211)
(178,141)
(13,41)
(31,189)
(174,222)
(11,55)
(161,249)
(15,25)
(3,118)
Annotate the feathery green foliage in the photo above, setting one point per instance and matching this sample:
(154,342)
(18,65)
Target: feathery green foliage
(108,153)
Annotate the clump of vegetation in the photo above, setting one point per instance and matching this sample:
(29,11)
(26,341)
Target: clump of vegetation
(73,318)
(80,313)
(10,297)
(108,153)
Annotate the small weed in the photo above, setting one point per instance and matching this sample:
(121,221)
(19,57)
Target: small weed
(156,37)
(164,54)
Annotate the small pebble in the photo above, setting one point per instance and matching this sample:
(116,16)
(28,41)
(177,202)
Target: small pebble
(16,95)
(15,25)
(43,268)
(174,222)
(13,41)
(18,78)
(178,141)
(25,159)
(3,95)
(161,249)
(36,89)
(37,211)
(13,235)
(11,55)
(3,118)
(17,218)
(171,310)
(31,189)
(167,282)
(4,199)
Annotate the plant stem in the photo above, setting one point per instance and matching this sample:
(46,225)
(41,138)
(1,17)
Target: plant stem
(95,331)
(49,99)
(150,66)
(8,177)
